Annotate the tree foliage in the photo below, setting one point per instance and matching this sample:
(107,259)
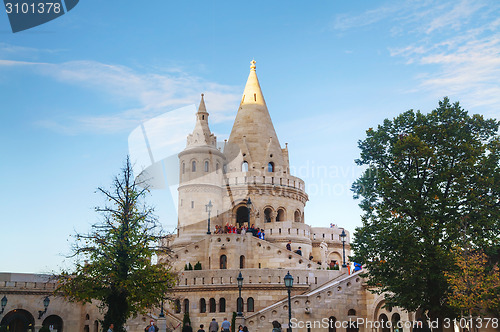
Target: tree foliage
(114,260)
(475,284)
(426,175)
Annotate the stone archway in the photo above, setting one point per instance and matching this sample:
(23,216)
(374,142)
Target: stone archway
(55,322)
(19,320)
(242,215)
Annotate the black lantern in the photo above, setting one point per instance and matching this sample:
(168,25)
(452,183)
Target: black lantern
(289,284)
(46,302)
(4,303)
(343,236)
(209,209)
(240,299)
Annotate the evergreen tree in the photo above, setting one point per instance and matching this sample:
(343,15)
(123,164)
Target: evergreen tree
(117,253)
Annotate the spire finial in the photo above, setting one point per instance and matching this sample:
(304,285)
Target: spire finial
(253,62)
(202,95)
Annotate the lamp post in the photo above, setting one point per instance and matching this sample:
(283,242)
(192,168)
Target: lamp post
(240,300)
(249,207)
(343,235)
(289,284)
(46,303)
(161,311)
(4,303)
(209,209)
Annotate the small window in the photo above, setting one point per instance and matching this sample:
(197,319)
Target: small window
(206,166)
(244,167)
(193,166)
(351,312)
(255,97)
(217,168)
(203,305)
(242,262)
(250,304)
(192,204)
(186,305)
(223,262)
(177,306)
(270,167)
(222,305)
(183,168)
(268,215)
(212,305)
(203,117)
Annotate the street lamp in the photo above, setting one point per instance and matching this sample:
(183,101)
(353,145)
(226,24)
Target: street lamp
(209,209)
(249,207)
(240,300)
(4,303)
(343,235)
(46,303)
(161,311)
(289,284)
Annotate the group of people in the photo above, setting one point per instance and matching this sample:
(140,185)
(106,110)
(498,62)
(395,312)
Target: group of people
(225,326)
(232,229)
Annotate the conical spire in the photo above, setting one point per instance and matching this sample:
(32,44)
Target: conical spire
(253,136)
(201,134)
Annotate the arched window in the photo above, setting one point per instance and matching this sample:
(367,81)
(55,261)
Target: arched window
(183,168)
(193,166)
(206,166)
(223,262)
(270,167)
(250,304)
(244,167)
(96,326)
(297,216)
(211,303)
(396,321)
(177,306)
(281,215)
(222,305)
(242,262)
(186,305)
(351,312)
(331,324)
(268,215)
(383,323)
(203,305)
(87,317)
(217,168)
(239,304)
(55,321)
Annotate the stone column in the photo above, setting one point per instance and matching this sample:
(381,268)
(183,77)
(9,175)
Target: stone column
(162,324)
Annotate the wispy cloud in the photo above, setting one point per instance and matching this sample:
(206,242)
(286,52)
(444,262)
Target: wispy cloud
(455,44)
(150,93)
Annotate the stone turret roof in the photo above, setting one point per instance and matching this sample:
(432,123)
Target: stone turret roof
(201,136)
(253,132)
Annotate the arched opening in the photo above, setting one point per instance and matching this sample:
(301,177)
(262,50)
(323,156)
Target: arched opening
(331,324)
(239,304)
(96,326)
(268,212)
(53,322)
(18,320)
(177,306)
(242,262)
(206,166)
(250,304)
(203,306)
(384,326)
(396,322)
(186,305)
(223,262)
(211,304)
(87,317)
(242,215)
(86,328)
(222,305)
(217,168)
(351,312)
(270,167)
(193,166)
(281,215)
(183,168)
(297,216)
(244,167)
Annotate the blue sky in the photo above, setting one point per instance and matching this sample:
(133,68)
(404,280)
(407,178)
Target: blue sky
(72,90)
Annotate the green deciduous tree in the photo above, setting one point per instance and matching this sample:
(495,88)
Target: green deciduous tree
(426,176)
(114,263)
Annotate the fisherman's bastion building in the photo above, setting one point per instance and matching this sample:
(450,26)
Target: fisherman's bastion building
(243,181)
